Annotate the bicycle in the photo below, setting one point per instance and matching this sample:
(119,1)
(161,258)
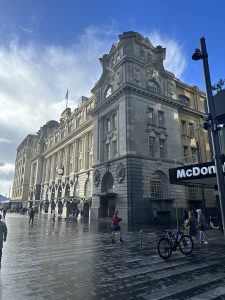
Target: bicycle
(170,242)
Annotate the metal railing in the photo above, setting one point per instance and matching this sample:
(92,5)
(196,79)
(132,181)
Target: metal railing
(141,235)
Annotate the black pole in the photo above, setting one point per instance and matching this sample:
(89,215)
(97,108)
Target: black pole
(214,131)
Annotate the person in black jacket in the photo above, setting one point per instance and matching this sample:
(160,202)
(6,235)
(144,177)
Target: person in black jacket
(31,215)
(3,235)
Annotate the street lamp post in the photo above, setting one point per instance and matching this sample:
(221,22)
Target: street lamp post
(212,126)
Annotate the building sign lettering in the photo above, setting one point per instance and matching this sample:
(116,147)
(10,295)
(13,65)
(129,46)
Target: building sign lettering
(204,170)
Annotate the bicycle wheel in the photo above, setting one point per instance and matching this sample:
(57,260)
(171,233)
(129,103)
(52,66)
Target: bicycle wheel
(186,244)
(164,248)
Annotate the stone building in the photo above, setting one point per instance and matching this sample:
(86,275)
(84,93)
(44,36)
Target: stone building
(37,161)
(144,122)
(61,168)
(21,180)
(115,149)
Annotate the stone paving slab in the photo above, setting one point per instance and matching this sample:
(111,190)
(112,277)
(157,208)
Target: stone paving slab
(75,259)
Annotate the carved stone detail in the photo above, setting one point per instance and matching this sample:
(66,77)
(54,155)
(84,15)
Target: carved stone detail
(120,172)
(119,77)
(96,177)
(137,75)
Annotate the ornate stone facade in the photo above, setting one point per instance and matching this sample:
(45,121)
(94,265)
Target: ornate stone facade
(22,168)
(127,134)
(138,133)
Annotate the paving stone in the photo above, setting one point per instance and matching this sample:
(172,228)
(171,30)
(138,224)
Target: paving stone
(76,260)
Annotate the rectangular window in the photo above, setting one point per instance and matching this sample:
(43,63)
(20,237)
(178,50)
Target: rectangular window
(152,146)
(108,150)
(79,121)
(194,153)
(114,121)
(108,125)
(63,133)
(162,148)
(156,189)
(186,154)
(191,129)
(150,116)
(194,193)
(161,119)
(114,148)
(183,128)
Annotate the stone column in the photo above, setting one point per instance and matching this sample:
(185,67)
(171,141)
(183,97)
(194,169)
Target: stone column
(46,169)
(74,156)
(85,151)
(67,160)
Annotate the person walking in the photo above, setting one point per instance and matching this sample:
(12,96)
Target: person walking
(4,212)
(191,223)
(115,226)
(184,215)
(202,226)
(31,215)
(3,236)
(155,215)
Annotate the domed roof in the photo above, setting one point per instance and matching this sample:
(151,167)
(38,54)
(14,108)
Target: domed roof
(52,124)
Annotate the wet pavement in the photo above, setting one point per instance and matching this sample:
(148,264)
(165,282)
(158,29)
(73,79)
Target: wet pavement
(75,259)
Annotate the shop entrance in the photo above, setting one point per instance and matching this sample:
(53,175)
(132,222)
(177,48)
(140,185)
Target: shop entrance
(107,197)
(107,206)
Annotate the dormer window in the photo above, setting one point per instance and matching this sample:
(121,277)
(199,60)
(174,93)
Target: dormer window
(108,92)
(184,100)
(153,87)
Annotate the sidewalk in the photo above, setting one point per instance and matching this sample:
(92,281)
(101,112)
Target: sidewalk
(75,259)
(214,236)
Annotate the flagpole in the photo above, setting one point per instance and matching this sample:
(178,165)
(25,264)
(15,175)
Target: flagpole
(67,96)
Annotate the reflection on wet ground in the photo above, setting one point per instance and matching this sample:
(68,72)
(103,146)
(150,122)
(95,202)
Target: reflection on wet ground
(75,259)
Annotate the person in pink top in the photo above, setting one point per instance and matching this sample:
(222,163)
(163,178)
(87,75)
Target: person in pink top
(115,226)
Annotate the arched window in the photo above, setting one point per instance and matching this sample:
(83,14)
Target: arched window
(108,92)
(158,186)
(108,183)
(59,194)
(153,87)
(184,100)
(67,191)
(53,194)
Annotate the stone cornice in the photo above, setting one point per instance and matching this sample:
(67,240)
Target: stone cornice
(127,156)
(190,88)
(127,87)
(131,87)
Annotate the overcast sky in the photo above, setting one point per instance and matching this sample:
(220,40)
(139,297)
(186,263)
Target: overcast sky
(46,48)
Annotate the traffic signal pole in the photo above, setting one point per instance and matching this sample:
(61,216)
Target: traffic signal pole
(214,129)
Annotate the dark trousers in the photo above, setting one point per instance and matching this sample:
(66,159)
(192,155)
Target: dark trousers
(0,255)
(31,219)
(155,221)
